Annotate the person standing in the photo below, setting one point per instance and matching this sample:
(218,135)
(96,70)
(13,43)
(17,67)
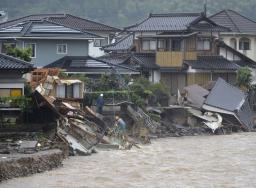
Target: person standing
(100,104)
(121,126)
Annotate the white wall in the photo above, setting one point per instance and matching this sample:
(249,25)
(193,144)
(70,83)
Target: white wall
(249,53)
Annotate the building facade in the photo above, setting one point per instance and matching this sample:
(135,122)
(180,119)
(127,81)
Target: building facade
(52,36)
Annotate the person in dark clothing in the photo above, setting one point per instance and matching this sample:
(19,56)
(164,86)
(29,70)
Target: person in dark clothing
(100,104)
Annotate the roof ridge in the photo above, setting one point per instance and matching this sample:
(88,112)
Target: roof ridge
(241,15)
(50,21)
(121,40)
(16,59)
(93,21)
(136,24)
(176,14)
(226,11)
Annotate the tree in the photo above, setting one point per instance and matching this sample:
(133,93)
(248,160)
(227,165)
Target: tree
(244,78)
(24,54)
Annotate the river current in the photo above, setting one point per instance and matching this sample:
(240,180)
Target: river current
(205,161)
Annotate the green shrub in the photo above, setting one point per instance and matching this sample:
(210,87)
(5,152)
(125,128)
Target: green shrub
(244,78)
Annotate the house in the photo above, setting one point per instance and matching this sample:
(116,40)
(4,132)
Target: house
(52,36)
(242,33)
(11,71)
(239,44)
(177,49)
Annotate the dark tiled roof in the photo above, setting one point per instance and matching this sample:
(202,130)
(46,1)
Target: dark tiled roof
(212,63)
(227,97)
(43,29)
(235,21)
(134,60)
(35,17)
(123,44)
(11,63)
(209,27)
(166,22)
(82,24)
(86,64)
(63,19)
(116,58)
(145,60)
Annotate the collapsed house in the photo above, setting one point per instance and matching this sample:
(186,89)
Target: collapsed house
(229,100)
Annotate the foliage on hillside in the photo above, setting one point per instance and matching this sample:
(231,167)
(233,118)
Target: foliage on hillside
(122,12)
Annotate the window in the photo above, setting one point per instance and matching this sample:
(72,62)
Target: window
(244,44)
(161,44)
(6,44)
(175,45)
(15,92)
(148,45)
(203,44)
(62,48)
(233,43)
(33,48)
(100,42)
(69,91)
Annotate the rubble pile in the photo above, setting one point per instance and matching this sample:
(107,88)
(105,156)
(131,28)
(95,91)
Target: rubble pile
(219,109)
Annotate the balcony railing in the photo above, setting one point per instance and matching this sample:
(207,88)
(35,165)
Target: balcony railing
(174,59)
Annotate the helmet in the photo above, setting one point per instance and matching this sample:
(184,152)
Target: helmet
(101,95)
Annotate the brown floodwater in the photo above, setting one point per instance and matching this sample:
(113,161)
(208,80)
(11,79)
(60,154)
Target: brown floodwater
(207,161)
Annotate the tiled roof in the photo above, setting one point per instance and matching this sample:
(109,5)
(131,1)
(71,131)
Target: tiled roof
(87,64)
(11,63)
(43,29)
(209,27)
(212,63)
(63,19)
(116,58)
(134,60)
(82,24)
(123,44)
(166,22)
(235,21)
(145,60)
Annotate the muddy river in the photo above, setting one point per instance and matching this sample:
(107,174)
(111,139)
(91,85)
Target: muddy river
(209,161)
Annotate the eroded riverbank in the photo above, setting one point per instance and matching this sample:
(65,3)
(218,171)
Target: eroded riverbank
(207,161)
